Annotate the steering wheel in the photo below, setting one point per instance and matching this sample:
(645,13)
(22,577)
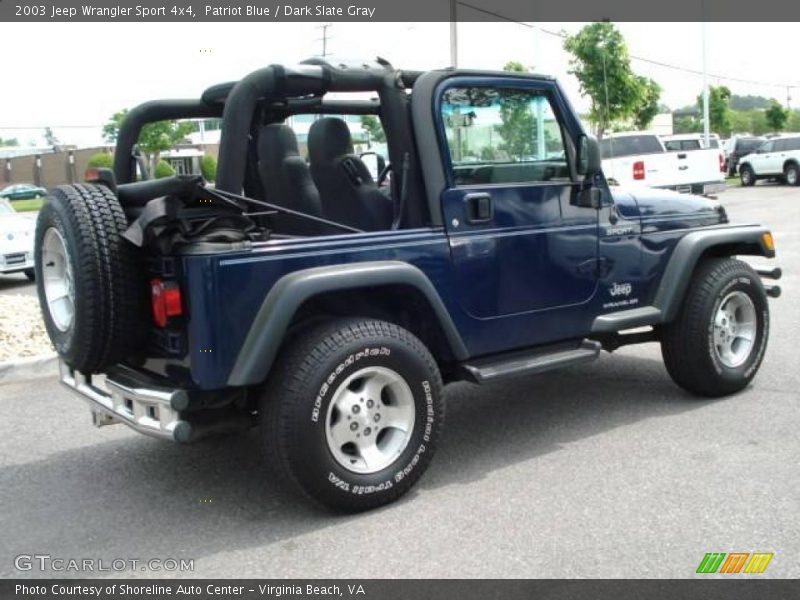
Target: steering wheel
(383,174)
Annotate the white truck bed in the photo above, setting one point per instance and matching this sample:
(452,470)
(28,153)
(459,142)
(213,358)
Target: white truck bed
(639,159)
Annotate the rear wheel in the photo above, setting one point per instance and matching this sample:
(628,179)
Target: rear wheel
(715,345)
(352,413)
(791,174)
(747,175)
(88,279)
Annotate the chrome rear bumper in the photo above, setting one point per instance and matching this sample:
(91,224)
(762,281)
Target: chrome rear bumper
(124,399)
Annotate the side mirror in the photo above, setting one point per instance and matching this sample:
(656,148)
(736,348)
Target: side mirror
(374,162)
(588,155)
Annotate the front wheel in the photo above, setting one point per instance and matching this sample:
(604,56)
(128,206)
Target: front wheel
(747,175)
(715,345)
(791,174)
(352,413)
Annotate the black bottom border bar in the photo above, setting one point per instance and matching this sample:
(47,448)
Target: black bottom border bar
(733,588)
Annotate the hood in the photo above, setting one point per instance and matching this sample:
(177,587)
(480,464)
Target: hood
(660,209)
(14,223)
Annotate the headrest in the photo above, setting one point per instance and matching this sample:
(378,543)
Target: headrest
(276,141)
(329,138)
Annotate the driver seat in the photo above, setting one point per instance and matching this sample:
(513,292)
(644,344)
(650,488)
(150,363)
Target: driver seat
(348,192)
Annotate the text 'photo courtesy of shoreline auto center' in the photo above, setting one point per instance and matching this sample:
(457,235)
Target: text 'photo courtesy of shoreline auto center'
(370,300)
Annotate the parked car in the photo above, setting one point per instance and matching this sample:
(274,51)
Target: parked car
(22,191)
(777,158)
(300,298)
(738,147)
(16,241)
(639,158)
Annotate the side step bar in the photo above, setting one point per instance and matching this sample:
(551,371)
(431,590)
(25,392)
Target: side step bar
(527,362)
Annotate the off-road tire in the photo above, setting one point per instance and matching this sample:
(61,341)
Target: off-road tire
(688,343)
(791,174)
(294,411)
(747,175)
(107,277)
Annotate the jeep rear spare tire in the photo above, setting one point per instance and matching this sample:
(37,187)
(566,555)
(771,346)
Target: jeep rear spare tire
(88,278)
(352,413)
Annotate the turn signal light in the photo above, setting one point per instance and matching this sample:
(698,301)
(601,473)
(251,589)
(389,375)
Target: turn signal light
(638,170)
(166,301)
(722,163)
(769,243)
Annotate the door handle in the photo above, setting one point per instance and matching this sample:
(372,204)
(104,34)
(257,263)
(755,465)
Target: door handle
(479,208)
(682,156)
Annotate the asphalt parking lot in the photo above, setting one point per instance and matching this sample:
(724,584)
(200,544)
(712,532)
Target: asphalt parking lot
(606,470)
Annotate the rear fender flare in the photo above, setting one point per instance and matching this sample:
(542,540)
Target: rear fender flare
(269,327)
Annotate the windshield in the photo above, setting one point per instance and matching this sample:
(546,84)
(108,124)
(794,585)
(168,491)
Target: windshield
(748,145)
(629,145)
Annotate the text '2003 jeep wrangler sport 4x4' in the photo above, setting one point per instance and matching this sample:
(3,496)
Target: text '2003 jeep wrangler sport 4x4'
(330,307)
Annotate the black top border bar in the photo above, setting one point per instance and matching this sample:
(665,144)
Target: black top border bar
(397,11)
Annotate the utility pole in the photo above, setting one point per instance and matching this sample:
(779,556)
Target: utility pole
(324,38)
(453,34)
(706,124)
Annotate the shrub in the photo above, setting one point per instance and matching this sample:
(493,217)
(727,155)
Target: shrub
(101,160)
(164,170)
(208,168)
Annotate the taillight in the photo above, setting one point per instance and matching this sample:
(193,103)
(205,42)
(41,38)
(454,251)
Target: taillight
(166,301)
(638,170)
(722,163)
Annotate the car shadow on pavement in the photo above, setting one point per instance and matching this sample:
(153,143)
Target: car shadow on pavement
(132,496)
(10,283)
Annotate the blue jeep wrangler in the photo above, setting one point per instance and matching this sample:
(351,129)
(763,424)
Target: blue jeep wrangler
(329,303)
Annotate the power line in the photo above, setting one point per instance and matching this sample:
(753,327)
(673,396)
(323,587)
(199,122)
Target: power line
(632,56)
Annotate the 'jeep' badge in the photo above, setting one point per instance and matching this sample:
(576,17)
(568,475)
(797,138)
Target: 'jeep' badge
(620,289)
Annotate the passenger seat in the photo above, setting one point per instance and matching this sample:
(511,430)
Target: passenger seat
(287,181)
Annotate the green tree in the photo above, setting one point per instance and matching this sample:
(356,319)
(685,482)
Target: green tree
(50,137)
(517,122)
(372,126)
(154,138)
(163,170)
(208,168)
(776,116)
(602,66)
(719,109)
(649,106)
(102,160)
(794,121)
(9,142)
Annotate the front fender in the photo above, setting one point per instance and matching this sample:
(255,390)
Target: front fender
(744,240)
(273,318)
(719,241)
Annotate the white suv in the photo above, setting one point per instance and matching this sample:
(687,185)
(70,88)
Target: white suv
(777,158)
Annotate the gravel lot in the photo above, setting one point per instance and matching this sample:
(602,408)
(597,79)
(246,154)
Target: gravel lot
(22,331)
(607,470)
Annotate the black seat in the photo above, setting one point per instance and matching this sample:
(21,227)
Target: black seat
(287,181)
(349,194)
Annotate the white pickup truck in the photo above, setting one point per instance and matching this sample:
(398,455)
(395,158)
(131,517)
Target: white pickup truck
(634,159)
